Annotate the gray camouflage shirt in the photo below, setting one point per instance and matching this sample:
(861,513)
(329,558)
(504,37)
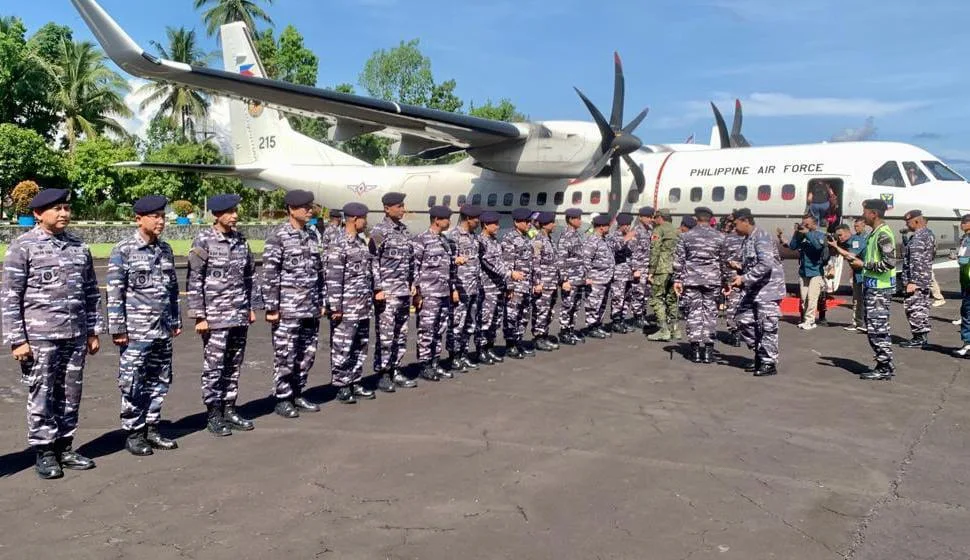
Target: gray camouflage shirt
(143,291)
(918,258)
(221,281)
(350,280)
(434,264)
(393,262)
(293,280)
(698,257)
(468,275)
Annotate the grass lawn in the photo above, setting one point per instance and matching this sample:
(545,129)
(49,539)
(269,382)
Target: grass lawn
(179,246)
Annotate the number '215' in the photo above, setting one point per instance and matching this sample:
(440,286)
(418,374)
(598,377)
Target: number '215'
(267,142)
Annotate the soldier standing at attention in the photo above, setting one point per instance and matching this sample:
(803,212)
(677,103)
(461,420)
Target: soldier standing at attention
(390,246)
(519,253)
(621,242)
(697,280)
(599,275)
(640,263)
(548,282)
(434,279)
(293,289)
(350,295)
(143,317)
(463,321)
(761,280)
(51,320)
(917,276)
(572,266)
(879,280)
(222,297)
(334,228)
(495,276)
(662,298)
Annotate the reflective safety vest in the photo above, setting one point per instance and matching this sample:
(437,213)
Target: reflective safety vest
(878,280)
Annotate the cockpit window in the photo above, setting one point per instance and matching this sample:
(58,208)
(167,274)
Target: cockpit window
(942,172)
(888,175)
(914,173)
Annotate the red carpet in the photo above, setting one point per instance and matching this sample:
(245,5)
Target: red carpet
(792,305)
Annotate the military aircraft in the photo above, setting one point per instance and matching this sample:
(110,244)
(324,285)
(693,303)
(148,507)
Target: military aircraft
(598,166)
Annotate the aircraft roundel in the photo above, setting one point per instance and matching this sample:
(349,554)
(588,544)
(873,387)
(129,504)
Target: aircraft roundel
(255,109)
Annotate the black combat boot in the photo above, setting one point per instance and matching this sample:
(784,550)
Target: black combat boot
(46,463)
(755,364)
(543,345)
(566,337)
(441,371)
(881,372)
(526,351)
(694,354)
(428,372)
(155,439)
(346,395)
(766,369)
(707,353)
(304,405)
(70,459)
(137,444)
(363,392)
(596,331)
(284,408)
(483,357)
(467,360)
(578,336)
(402,380)
(385,383)
(234,419)
(919,340)
(456,363)
(492,354)
(512,351)
(552,342)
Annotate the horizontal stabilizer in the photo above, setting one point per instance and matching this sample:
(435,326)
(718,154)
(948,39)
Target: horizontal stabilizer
(227,170)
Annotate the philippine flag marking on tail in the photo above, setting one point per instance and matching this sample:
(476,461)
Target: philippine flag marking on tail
(247,70)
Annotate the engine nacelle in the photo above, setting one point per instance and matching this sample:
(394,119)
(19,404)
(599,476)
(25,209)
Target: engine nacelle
(552,149)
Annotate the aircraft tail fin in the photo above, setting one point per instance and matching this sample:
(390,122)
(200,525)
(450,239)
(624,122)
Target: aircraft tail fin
(261,135)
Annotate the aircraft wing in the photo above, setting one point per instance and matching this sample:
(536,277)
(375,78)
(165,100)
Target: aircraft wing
(207,169)
(429,128)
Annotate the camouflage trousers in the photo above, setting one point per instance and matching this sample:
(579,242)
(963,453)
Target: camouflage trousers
(700,304)
(543,306)
(572,301)
(517,306)
(392,332)
(663,300)
(348,350)
(144,377)
(463,325)
(620,293)
(490,315)
(596,304)
(223,351)
(917,307)
(731,302)
(432,323)
(877,322)
(757,324)
(638,295)
(294,350)
(54,378)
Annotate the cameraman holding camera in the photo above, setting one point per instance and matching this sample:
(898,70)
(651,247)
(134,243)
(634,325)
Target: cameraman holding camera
(810,244)
(852,246)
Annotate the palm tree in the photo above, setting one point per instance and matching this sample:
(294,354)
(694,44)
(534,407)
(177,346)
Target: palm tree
(178,102)
(228,11)
(88,94)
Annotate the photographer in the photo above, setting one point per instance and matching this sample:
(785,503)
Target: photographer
(810,244)
(849,247)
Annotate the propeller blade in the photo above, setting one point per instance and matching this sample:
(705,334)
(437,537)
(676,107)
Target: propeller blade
(721,127)
(635,122)
(594,167)
(599,119)
(637,172)
(616,186)
(737,139)
(616,116)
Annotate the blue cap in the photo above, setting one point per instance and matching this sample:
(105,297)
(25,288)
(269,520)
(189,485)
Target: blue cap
(149,204)
(521,214)
(298,198)
(393,199)
(601,220)
(471,211)
(355,210)
(743,214)
(490,217)
(688,222)
(546,218)
(574,213)
(624,219)
(48,197)
(440,212)
(703,210)
(646,211)
(335,213)
(223,202)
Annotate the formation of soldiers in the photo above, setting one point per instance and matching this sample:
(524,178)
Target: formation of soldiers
(464,282)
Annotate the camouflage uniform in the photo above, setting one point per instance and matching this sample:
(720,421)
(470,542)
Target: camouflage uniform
(434,273)
(350,291)
(463,326)
(918,258)
(880,247)
(697,266)
(222,291)
(143,303)
(495,276)
(51,301)
(640,262)
(732,252)
(393,270)
(601,268)
(622,275)
(519,253)
(294,286)
(662,298)
(546,273)
(573,266)
(763,281)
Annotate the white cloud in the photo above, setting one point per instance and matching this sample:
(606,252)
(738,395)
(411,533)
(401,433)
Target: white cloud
(866,132)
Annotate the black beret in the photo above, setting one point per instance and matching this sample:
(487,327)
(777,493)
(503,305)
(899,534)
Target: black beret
(601,220)
(223,202)
(912,214)
(703,210)
(334,213)
(521,214)
(471,211)
(688,221)
(574,213)
(875,204)
(149,204)
(355,210)
(48,197)
(490,217)
(440,212)
(298,198)
(392,198)
(647,211)
(546,218)
(624,219)
(743,214)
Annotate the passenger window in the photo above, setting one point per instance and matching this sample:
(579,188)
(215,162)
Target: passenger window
(740,193)
(541,199)
(633,196)
(764,192)
(888,175)
(507,199)
(524,199)
(788,192)
(462,199)
(476,198)
(594,197)
(558,198)
(492,199)
(696,193)
(674,196)
(577,198)
(431,200)
(914,173)
(717,195)
(446,200)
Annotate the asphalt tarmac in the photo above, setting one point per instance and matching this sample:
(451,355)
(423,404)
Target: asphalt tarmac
(614,449)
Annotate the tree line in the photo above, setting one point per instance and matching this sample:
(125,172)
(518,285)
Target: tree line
(62,110)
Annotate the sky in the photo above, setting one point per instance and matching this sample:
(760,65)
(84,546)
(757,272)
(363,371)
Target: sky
(805,70)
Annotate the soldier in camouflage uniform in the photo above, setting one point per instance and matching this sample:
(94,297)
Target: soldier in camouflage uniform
(519,253)
(662,298)
(640,264)
(601,266)
(434,274)
(732,252)
(223,295)
(334,228)
(293,291)
(51,320)
(463,323)
(761,280)
(698,281)
(350,296)
(917,278)
(390,246)
(621,242)
(548,283)
(495,277)
(573,267)
(143,317)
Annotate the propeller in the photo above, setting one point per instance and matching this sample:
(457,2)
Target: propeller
(733,139)
(618,140)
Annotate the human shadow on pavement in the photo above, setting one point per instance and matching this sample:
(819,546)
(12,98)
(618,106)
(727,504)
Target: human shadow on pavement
(18,461)
(852,366)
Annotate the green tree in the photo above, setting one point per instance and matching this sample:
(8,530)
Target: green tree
(88,93)
(26,79)
(188,186)
(46,42)
(179,103)
(504,111)
(289,60)
(401,74)
(443,97)
(221,12)
(93,176)
(24,154)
